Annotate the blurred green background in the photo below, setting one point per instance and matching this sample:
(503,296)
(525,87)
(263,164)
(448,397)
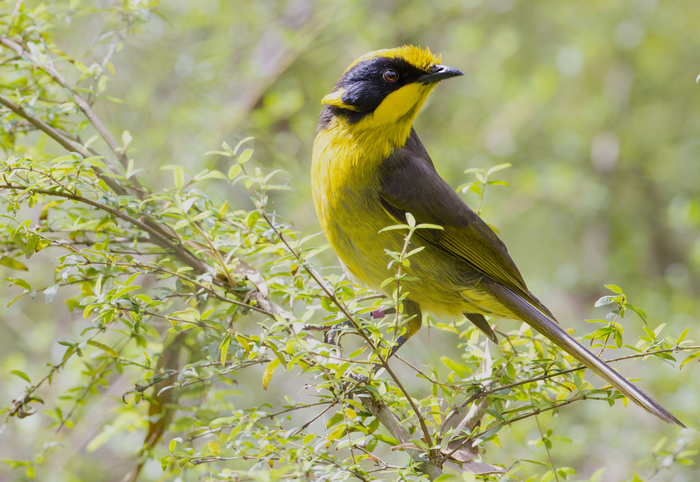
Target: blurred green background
(594,104)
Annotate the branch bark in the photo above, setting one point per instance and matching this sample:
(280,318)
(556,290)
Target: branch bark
(387,418)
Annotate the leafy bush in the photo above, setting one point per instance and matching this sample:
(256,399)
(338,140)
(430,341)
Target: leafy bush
(186,306)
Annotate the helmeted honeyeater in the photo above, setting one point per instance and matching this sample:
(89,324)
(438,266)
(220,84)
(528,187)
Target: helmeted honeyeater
(369,170)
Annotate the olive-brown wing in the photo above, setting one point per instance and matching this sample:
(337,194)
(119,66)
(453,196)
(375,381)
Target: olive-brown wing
(410,184)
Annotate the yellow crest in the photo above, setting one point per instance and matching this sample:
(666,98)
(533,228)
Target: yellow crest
(415,56)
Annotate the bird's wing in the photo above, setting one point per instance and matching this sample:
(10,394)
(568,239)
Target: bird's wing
(410,183)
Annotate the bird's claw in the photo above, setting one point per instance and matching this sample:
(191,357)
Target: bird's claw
(331,334)
(361,379)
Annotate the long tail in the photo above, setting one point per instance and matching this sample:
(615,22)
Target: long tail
(533,317)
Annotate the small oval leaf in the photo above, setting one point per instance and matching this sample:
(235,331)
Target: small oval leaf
(269,370)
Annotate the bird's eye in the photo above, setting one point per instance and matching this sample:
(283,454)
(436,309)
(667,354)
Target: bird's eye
(391,75)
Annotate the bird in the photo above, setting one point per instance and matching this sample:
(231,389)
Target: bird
(369,170)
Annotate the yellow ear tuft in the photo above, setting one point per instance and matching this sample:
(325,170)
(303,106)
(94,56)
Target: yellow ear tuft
(334,98)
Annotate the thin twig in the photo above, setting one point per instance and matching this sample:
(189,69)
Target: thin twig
(82,104)
(549,454)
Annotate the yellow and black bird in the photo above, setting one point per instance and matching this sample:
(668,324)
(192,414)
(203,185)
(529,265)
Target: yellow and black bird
(369,169)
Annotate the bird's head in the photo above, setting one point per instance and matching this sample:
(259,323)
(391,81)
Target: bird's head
(386,87)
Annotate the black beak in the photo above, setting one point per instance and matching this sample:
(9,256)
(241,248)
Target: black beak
(437,73)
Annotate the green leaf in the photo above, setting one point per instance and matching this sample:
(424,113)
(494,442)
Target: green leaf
(690,358)
(125,290)
(129,168)
(497,168)
(104,348)
(173,443)
(223,348)
(336,433)
(179,177)
(605,300)
(461,370)
(252,219)
(13,264)
(32,243)
(395,227)
(126,139)
(559,438)
(414,251)
(387,440)
(238,146)
(245,156)
(12,302)
(234,171)
(429,226)
(22,375)
(617,336)
(547,476)
(269,370)
(214,448)
(244,343)
(69,157)
(102,83)
(42,244)
(201,216)
(218,153)
(446,477)
(639,312)
(615,289)
(212,174)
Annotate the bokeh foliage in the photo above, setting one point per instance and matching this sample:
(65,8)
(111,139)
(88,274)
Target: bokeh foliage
(594,105)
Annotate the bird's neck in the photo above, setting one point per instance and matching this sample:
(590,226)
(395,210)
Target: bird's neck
(367,143)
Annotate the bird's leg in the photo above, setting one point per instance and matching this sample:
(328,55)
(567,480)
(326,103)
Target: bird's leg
(332,333)
(410,309)
(378,313)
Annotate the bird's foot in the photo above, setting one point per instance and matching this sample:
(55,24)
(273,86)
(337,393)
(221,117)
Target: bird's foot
(331,334)
(356,380)
(378,314)
(360,379)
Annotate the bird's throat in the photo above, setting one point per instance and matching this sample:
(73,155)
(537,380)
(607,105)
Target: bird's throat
(367,142)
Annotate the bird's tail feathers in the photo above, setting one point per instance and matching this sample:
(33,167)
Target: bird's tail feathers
(540,322)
